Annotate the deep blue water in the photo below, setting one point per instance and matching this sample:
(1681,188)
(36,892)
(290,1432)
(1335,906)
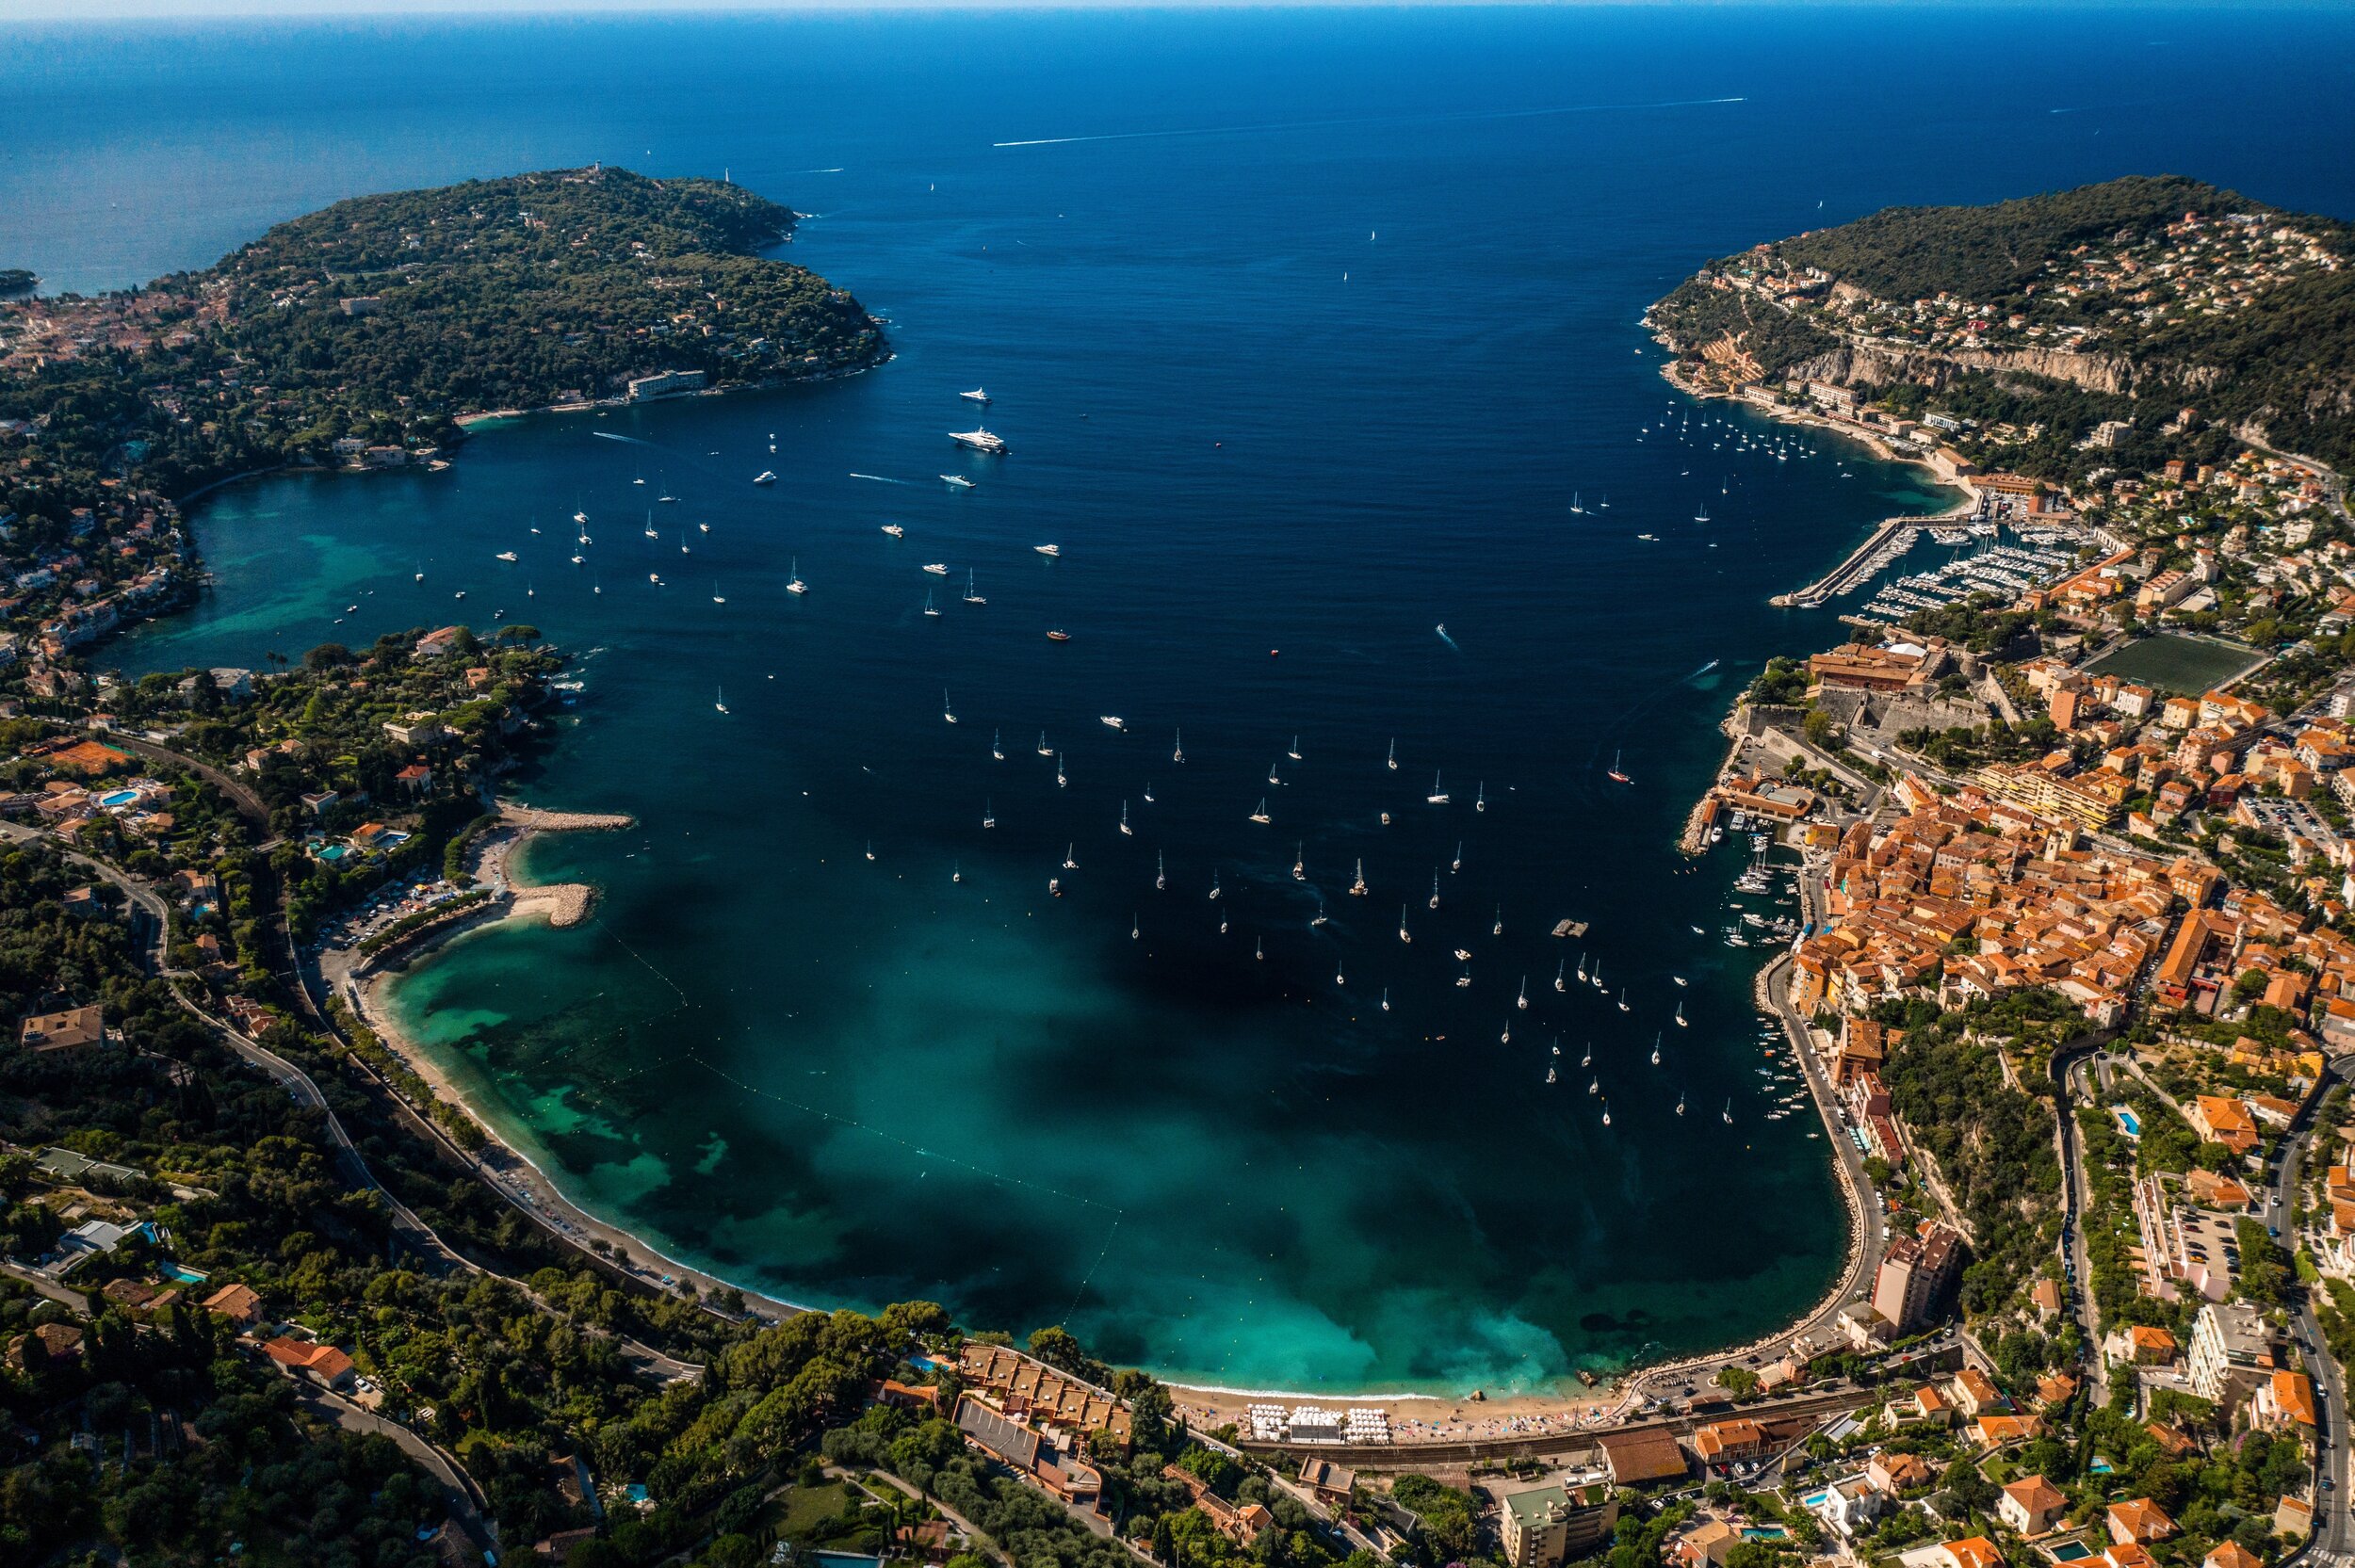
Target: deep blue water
(1304,344)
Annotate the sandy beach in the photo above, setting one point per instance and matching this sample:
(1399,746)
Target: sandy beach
(1413,1417)
(1424,1417)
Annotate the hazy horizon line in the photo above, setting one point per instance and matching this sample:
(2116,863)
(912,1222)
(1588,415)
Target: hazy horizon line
(230,11)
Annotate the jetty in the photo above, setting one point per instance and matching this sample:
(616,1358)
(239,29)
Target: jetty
(1861,563)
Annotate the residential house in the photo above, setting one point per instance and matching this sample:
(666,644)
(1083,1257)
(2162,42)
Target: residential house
(322,1364)
(2031,1505)
(2138,1521)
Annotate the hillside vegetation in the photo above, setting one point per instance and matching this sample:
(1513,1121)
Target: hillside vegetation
(379,318)
(2124,302)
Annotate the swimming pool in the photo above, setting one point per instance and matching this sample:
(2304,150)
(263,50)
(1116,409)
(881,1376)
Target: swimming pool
(1763,1532)
(1815,1499)
(119,798)
(2127,1121)
(2072,1551)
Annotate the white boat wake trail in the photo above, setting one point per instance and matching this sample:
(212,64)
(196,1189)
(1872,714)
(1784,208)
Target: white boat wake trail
(1373,120)
(878,479)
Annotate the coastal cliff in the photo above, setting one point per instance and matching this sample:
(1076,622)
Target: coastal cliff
(2092,326)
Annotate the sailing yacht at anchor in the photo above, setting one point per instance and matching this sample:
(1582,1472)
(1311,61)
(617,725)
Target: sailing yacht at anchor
(1358,886)
(1260,815)
(1437,795)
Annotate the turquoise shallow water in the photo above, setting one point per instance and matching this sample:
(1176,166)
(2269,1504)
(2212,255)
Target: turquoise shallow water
(1289,393)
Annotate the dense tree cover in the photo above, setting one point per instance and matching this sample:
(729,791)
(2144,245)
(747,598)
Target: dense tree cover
(514,292)
(1993,1145)
(1984,253)
(2287,366)
(1696,314)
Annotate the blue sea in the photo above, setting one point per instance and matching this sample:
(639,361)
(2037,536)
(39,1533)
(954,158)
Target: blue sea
(1312,332)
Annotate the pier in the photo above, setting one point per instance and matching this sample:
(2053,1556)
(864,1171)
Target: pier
(1851,571)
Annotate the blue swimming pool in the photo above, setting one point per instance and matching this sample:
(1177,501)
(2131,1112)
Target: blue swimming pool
(119,797)
(2128,1120)
(1815,1499)
(2072,1551)
(1763,1532)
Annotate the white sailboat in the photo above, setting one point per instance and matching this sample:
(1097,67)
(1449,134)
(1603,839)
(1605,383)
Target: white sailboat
(1655,1049)
(1300,863)
(1044,749)
(1498,929)
(1435,890)
(1403,935)
(1178,750)
(1070,862)
(1479,797)
(997,751)
(1214,881)
(970,596)
(1386,998)
(946,711)
(1063,781)
(1392,762)
(989,814)
(1457,863)
(1357,887)
(1260,815)
(1319,919)
(1294,752)
(1126,831)
(930,609)
(1622,998)
(793,582)
(720,701)
(1506,1037)
(1522,1000)
(1680,1024)
(717,597)
(1160,871)
(1437,795)
(1559,983)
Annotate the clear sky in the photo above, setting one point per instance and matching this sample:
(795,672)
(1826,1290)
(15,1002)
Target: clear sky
(26,10)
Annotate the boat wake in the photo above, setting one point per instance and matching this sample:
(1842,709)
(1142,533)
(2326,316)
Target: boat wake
(1373,120)
(878,479)
(1441,629)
